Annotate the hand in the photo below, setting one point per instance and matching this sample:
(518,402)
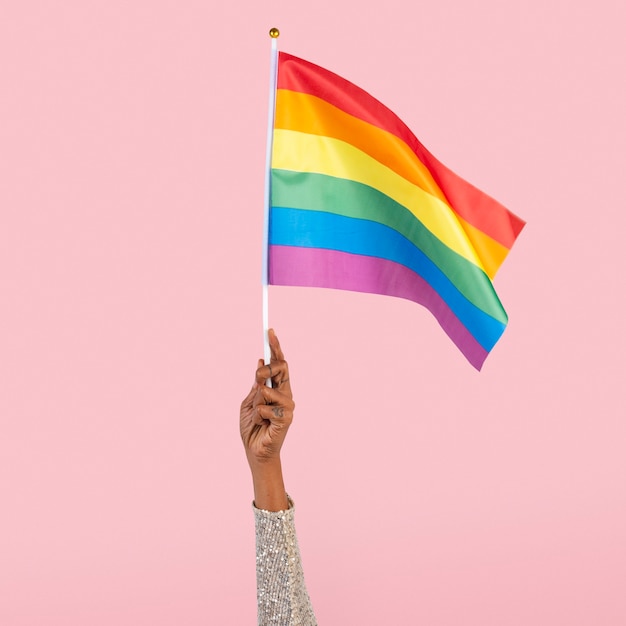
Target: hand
(265,417)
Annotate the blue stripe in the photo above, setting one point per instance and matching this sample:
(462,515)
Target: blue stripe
(314,229)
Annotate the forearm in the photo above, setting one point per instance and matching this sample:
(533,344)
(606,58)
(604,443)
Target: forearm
(282,598)
(269,486)
(281,592)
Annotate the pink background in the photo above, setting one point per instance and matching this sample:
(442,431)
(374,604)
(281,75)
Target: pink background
(132,143)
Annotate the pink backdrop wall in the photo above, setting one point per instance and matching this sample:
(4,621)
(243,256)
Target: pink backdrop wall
(131,180)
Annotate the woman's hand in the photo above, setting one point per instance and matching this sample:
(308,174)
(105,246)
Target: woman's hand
(265,417)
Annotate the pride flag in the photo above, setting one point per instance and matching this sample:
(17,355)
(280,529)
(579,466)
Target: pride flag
(358,203)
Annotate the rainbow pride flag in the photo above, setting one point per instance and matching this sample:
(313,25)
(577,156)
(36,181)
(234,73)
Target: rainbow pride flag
(358,203)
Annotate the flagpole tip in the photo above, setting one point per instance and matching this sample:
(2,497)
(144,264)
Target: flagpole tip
(274,33)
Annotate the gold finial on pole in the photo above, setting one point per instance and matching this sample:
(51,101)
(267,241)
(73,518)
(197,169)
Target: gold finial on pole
(274,33)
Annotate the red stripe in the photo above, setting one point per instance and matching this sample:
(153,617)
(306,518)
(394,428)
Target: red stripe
(474,206)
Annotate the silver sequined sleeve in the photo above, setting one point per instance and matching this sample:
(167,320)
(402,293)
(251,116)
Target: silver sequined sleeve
(282,597)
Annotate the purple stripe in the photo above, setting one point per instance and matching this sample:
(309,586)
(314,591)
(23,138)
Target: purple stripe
(315,267)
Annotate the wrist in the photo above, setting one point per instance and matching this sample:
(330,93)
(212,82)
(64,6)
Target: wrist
(264,465)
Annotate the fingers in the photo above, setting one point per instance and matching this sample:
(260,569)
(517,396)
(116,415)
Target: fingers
(276,415)
(248,400)
(273,405)
(278,371)
(257,418)
(275,349)
(276,397)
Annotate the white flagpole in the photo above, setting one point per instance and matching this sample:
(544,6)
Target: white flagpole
(274,33)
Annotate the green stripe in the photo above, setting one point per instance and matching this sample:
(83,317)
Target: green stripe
(318,192)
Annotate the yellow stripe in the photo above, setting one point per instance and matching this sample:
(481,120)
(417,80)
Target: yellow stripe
(310,114)
(301,152)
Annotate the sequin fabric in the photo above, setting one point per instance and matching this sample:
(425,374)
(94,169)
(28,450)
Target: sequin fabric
(282,598)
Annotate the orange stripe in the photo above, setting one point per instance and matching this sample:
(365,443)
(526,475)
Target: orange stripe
(310,114)
(491,252)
